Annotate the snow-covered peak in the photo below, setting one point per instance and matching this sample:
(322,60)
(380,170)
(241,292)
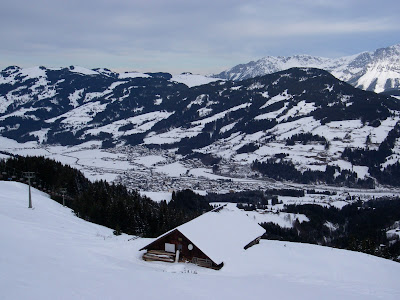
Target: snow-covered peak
(34,72)
(384,53)
(81,70)
(106,72)
(192,80)
(377,71)
(382,72)
(10,74)
(132,75)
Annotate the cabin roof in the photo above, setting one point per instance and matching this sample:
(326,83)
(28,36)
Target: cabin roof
(221,232)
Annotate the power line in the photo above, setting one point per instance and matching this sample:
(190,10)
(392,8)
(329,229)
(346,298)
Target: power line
(14,174)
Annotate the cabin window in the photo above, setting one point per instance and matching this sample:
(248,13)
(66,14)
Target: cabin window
(169,247)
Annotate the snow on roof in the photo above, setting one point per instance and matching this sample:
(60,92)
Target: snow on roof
(221,234)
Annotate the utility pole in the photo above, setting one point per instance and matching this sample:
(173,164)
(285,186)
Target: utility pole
(63,192)
(29,176)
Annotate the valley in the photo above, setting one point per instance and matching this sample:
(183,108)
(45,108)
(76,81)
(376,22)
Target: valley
(320,129)
(157,173)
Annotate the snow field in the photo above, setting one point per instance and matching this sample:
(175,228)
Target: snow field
(192,80)
(271,215)
(48,253)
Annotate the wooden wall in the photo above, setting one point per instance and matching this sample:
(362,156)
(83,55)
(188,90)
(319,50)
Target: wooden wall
(177,238)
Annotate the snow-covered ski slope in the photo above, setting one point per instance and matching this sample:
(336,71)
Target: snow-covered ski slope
(49,253)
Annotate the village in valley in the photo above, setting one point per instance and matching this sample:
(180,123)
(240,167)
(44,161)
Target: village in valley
(158,172)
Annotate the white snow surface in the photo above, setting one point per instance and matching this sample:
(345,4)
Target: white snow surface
(270,215)
(175,169)
(284,220)
(49,253)
(172,136)
(132,75)
(84,71)
(149,160)
(75,96)
(192,80)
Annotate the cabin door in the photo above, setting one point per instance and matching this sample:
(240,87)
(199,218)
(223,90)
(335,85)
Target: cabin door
(169,247)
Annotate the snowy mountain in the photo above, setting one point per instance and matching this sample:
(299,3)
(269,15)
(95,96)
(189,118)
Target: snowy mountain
(303,116)
(377,71)
(49,253)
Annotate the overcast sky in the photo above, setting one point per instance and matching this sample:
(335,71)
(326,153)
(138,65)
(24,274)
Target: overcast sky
(201,36)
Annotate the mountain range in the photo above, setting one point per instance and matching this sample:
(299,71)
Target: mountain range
(302,121)
(377,71)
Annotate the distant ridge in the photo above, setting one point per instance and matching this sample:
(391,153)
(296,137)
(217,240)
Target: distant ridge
(377,71)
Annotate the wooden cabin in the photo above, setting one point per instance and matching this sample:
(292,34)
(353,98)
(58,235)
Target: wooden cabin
(207,240)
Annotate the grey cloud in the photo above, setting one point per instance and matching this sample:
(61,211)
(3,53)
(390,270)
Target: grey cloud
(187,33)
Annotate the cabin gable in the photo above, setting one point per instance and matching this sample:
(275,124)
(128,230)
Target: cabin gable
(208,240)
(188,251)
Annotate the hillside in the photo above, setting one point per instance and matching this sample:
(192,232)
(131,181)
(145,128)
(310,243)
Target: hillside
(49,253)
(304,119)
(377,71)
